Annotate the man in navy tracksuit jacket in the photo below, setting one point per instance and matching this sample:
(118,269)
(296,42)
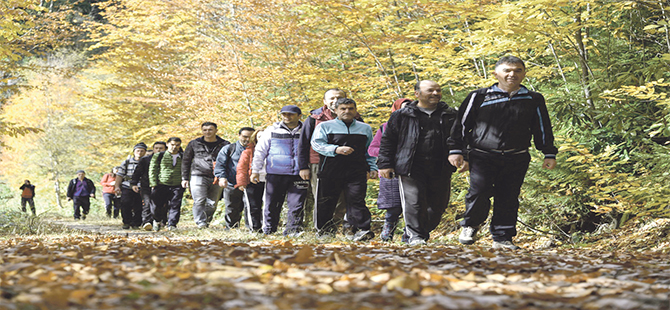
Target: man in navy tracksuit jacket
(345,166)
(277,147)
(494,129)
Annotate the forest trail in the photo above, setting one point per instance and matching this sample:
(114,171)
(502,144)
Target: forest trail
(109,270)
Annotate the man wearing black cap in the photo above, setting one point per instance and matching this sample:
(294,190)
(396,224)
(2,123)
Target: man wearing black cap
(80,190)
(131,201)
(277,148)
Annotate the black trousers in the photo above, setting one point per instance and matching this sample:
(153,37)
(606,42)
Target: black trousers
(425,195)
(328,194)
(83,203)
(131,207)
(498,176)
(253,206)
(30,202)
(166,203)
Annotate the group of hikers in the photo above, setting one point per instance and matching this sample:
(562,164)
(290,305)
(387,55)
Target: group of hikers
(333,153)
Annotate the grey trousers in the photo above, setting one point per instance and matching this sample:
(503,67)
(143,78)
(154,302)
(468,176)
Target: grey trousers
(206,196)
(232,197)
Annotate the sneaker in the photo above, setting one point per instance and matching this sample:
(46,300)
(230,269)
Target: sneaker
(147,226)
(126,226)
(294,234)
(202,226)
(172,228)
(157,226)
(416,242)
(468,234)
(387,231)
(362,235)
(504,245)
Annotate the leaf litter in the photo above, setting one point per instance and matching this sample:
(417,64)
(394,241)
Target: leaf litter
(112,272)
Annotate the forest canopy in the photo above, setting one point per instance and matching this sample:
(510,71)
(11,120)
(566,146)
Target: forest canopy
(83,81)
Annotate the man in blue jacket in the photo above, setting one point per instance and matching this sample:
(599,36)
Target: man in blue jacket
(225,171)
(345,166)
(277,148)
(494,129)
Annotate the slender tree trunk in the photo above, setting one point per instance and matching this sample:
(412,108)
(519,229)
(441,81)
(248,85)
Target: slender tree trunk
(665,26)
(560,68)
(583,62)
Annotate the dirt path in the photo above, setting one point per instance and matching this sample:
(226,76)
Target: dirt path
(143,270)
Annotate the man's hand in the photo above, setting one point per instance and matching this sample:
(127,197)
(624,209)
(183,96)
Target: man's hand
(223,182)
(305,174)
(549,163)
(241,188)
(117,190)
(136,188)
(344,150)
(184,183)
(372,174)
(254,178)
(387,173)
(458,162)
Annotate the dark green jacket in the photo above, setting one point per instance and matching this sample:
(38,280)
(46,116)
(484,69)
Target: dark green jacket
(164,172)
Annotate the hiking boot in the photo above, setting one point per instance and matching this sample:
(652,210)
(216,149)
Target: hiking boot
(83,216)
(416,242)
(157,226)
(504,245)
(147,226)
(125,226)
(387,231)
(362,235)
(468,234)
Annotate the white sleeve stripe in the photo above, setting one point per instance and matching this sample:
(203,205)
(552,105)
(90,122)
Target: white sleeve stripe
(467,111)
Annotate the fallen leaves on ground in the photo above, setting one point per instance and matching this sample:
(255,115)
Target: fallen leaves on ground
(107,272)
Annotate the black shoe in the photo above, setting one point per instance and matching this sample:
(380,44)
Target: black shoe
(83,216)
(126,226)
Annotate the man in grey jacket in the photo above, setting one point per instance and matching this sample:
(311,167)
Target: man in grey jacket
(197,168)
(225,171)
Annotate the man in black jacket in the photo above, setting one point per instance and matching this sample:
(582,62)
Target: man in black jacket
(414,148)
(140,183)
(197,169)
(79,190)
(494,129)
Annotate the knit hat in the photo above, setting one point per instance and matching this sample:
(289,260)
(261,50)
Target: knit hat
(291,109)
(140,145)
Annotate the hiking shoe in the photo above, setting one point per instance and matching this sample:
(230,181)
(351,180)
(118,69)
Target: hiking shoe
(468,234)
(362,235)
(147,226)
(504,245)
(156,226)
(387,231)
(294,234)
(416,242)
(126,226)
